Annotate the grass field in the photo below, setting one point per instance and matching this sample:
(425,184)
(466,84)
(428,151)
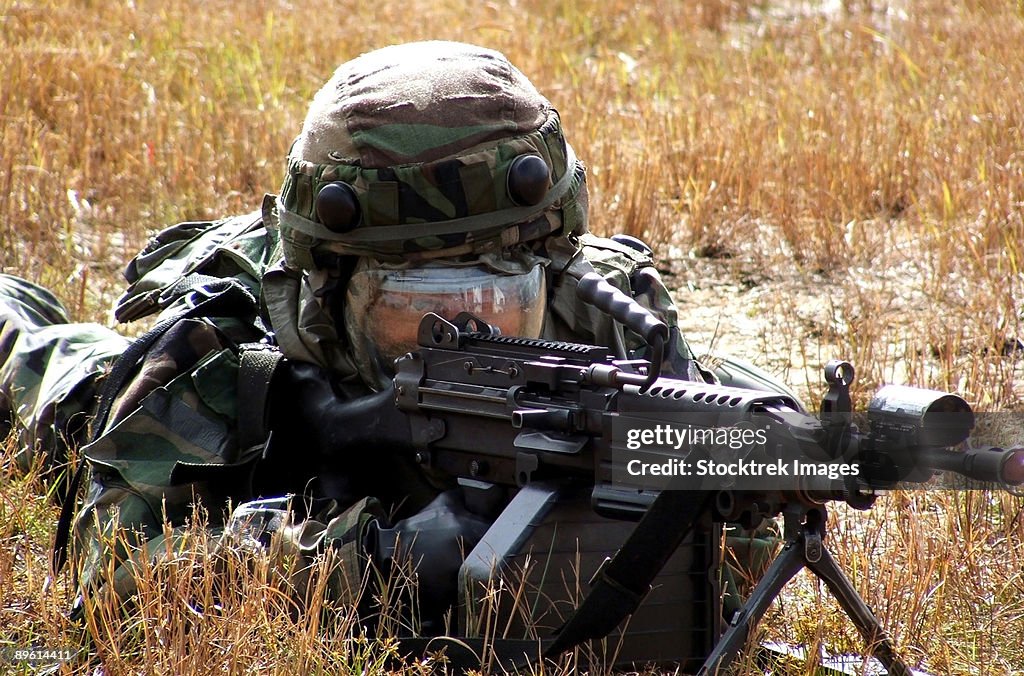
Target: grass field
(818,180)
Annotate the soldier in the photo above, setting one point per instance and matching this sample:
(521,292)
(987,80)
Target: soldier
(427,177)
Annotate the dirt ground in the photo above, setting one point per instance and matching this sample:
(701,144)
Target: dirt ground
(790,322)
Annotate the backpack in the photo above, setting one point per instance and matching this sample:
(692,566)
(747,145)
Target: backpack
(183,257)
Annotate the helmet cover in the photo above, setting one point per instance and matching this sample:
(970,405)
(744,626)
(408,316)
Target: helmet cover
(424,138)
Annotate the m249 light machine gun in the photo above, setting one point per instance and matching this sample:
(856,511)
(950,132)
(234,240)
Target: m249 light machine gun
(538,421)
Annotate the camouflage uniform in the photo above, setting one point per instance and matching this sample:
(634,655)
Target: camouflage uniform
(172,439)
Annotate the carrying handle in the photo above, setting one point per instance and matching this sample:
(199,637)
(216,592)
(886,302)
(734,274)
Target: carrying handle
(594,290)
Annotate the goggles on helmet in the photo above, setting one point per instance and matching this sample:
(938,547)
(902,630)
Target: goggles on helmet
(383,307)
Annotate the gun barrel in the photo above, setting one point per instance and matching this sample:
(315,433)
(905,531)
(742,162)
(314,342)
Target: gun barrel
(984,464)
(1013,468)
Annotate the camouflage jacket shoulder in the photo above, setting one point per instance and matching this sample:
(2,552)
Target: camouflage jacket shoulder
(182,258)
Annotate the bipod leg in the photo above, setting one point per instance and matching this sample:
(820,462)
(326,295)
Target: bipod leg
(787,564)
(826,569)
(804,548)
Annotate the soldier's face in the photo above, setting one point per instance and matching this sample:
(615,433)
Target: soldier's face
(383,307)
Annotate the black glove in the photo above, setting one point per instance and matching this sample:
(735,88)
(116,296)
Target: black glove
(325,442)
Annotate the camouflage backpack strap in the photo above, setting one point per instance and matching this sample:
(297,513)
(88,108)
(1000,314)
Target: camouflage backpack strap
(256,365)
(217,298)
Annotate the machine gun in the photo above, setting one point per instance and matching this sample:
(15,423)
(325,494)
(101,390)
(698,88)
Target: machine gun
(543,418)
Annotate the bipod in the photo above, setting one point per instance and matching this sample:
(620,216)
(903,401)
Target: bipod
(803,549)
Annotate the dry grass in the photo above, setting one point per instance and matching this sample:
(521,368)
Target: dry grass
(843,179)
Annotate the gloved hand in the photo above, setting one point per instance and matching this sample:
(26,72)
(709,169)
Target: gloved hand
(330,441)
(428,547)
(326,445)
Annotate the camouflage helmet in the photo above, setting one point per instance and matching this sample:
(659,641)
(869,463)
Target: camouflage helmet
(426,150)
